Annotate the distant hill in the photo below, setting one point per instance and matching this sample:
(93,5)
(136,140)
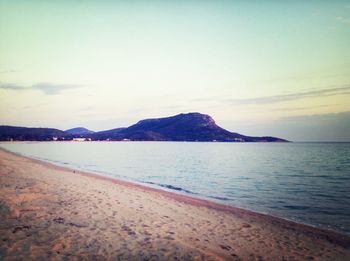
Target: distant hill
(182,127)
(113,134)
(35,134)
(79,131)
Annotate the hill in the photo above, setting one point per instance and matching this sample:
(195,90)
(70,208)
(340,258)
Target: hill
(31,134)
(113,134)
(181,127)
(79,131)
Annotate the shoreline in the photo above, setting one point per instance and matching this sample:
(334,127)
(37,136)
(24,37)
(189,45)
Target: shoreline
(334,236)
(310,232)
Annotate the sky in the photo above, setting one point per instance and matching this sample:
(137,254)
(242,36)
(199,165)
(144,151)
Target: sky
(278,68)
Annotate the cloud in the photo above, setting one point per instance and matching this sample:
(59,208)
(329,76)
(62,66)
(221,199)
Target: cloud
(8,71)
(344,90)
(317,127)
(342,19)
(45,87)
(10,86)
(301,108)
(52,89)
(292,96)
(33,106)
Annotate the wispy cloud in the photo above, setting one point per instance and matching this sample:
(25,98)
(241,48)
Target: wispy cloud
(315,127)
(52,89)
(8,71)
(342,19)
(45,87)
(279,98)
(10,86)
(33,106)
(292,96)
(291,109)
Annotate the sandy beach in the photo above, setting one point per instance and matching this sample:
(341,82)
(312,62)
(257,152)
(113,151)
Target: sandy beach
(49,212)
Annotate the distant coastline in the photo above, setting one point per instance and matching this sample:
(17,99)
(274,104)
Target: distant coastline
(182,127)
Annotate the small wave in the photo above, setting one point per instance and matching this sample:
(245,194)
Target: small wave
(293,175)
(219,198)
(343,178)
(296,207)
(329,212)
(170,187)
(244,177)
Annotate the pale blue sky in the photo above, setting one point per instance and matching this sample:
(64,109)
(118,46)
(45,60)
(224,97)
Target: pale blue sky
(251,65)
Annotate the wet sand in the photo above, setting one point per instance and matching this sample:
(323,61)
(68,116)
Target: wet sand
(55,213)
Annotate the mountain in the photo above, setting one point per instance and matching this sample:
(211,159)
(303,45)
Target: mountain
(113,134)
(79,131)
(181,127)
(35,134)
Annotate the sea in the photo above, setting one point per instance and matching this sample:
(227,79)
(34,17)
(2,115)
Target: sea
(307,183)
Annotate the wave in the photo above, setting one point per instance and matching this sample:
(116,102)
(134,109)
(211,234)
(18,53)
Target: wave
(219,198)
(171,187)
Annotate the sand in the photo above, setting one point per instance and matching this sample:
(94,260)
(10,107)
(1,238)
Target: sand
(54,213)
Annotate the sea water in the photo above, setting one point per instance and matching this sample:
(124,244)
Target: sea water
(304,182)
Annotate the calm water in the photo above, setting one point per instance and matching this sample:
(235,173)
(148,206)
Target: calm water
(304,182)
